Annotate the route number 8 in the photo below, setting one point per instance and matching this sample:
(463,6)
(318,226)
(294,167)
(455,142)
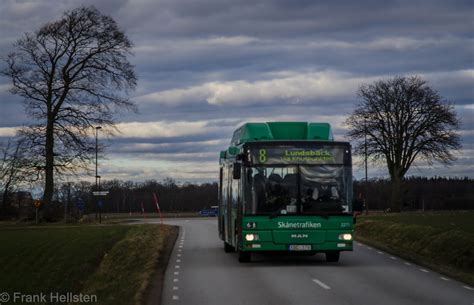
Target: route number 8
(262,155)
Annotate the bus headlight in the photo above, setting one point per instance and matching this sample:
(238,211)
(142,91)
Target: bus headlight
(346,236)
(249,237)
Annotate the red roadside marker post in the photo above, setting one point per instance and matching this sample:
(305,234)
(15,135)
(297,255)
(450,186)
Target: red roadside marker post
(158,207)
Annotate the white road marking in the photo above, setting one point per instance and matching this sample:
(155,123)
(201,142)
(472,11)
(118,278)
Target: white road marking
(379,252)
(176,273)
(321,284)
(175,280)
(176,267)
(424,270)
(175,297)
(369,248)
(407,263)
(179,250)
(468,288)
(175,287)
(178,261)
(444,278)
(393,257)
(179,254)
(180,246)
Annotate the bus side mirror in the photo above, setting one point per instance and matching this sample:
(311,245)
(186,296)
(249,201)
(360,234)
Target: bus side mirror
(236,170)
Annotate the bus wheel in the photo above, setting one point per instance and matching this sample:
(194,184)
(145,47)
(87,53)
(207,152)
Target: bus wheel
(245,257)
(228,248)
(333,256)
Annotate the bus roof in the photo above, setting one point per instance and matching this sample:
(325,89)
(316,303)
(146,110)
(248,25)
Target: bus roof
(280,131)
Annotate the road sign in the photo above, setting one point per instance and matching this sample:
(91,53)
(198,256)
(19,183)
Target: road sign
(100,204)
(80,205)
(100,193)
(37,203)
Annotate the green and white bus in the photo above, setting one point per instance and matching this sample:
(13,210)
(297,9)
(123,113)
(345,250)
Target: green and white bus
(287,187)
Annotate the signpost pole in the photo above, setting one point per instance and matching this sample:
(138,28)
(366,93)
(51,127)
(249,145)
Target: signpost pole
(100,205)
(143,212)
(37,204)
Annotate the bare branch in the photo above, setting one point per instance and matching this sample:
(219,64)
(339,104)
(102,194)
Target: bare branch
(404,120)
(73,75)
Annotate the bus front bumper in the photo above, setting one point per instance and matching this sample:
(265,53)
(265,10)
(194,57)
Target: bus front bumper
(293,241)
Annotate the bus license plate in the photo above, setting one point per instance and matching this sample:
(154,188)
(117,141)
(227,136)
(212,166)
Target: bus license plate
(300,248)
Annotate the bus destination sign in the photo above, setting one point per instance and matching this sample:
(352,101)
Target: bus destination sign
(300,155)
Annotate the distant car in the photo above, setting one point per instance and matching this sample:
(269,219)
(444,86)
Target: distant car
(212,212)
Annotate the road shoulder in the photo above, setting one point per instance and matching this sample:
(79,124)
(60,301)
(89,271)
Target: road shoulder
(155,289)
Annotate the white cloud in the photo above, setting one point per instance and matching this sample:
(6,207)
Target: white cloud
(291,88)
(138,168)
(134,147)
(8,131)
(162,129)
(285,87)
(229,40)
(394,43)
(165,45)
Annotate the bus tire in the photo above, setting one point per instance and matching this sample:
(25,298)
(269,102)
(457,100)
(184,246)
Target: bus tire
(245,257)
(333,256)
(228,248)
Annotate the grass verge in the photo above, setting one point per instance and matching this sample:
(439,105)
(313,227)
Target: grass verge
(50,259)
(113,262)
(127,271)
(442,241)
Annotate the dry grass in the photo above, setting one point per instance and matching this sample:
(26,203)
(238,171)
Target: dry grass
(126,272)
(442,241)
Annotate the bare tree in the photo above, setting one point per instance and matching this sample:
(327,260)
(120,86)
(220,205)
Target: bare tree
(403,120)
(73,75)
(14,169)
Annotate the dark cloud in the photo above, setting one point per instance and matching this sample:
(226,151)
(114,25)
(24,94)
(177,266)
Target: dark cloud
(210,65)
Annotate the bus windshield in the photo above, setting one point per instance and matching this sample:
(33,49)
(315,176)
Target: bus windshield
(298,189)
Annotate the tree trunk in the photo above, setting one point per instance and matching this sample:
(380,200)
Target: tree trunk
(5,200)
(396,198)
(49,166)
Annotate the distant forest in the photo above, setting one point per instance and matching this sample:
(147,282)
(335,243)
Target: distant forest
(126,196)
(420,193)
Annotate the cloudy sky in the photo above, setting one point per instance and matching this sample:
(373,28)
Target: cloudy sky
(206,66)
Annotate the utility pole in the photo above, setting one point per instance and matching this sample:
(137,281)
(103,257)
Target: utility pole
(100,205)
(96,154)
(97,169)
(67,200)
(366,170)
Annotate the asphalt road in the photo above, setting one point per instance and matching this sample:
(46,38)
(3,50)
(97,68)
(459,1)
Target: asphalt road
(200,272)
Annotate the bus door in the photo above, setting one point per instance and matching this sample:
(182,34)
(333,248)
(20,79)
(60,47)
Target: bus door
(220,213)
(228,215)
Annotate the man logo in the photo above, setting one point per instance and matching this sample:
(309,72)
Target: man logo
(299,235)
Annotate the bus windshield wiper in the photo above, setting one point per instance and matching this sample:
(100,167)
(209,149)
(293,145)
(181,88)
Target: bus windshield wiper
(277,212)
(326,215)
